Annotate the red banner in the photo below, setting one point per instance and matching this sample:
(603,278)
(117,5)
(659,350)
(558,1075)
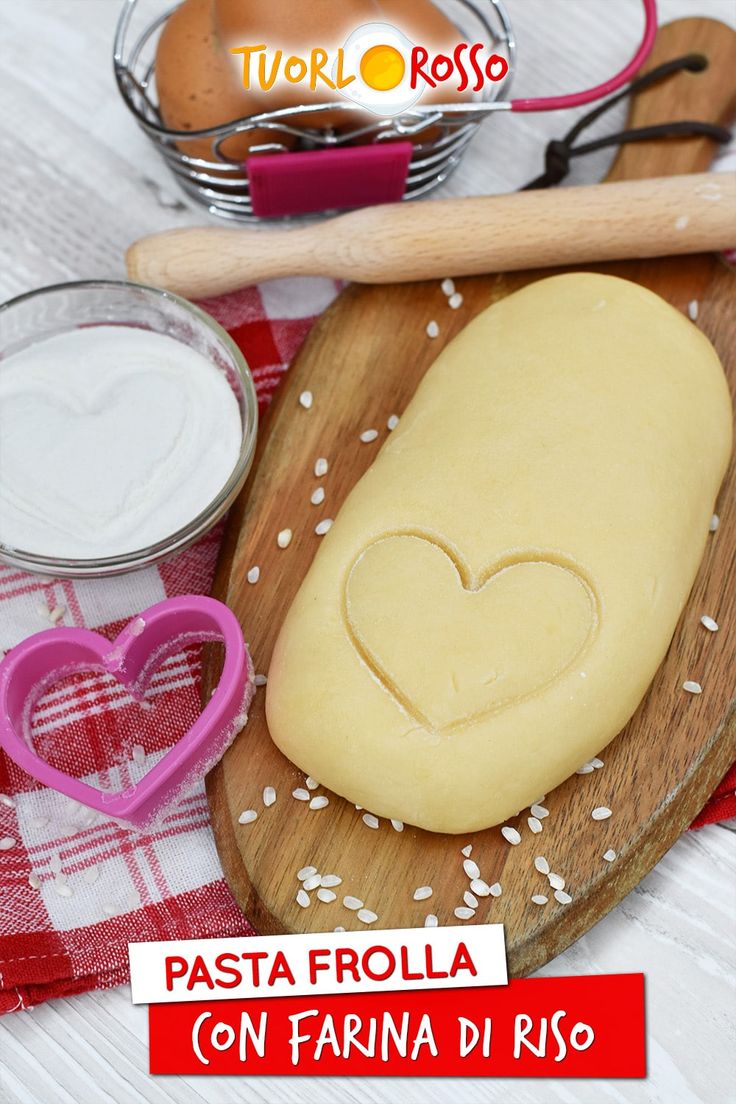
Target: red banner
(538,1027)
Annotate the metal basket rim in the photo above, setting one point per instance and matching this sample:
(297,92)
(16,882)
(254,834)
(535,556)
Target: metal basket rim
(426,116)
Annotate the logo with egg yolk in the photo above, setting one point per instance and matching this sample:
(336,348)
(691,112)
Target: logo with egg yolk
(380,57)
(378,68)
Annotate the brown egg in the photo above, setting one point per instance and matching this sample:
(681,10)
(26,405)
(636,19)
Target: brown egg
(198,83)
(425,25)
(296,28)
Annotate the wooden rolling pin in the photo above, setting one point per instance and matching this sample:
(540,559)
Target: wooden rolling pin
(453,237)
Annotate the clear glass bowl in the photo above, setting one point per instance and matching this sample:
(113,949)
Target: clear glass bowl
(52,310)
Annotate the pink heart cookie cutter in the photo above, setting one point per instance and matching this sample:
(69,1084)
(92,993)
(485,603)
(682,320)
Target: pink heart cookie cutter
(160,631)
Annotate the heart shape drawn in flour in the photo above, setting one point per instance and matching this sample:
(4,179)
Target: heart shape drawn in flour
(452,647)
(99,427)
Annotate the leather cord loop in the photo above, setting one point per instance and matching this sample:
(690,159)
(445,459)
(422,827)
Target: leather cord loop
(560,151)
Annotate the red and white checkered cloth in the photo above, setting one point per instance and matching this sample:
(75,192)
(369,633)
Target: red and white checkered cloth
(125,885)
(97,886)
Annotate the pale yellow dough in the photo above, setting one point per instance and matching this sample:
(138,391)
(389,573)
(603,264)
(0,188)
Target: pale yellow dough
(499,589)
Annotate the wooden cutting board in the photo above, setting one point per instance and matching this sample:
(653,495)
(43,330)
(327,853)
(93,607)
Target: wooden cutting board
(362,362)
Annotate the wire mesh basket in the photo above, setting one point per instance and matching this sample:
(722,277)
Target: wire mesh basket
(433,136)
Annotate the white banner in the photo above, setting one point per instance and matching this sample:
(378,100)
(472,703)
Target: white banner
(334,962)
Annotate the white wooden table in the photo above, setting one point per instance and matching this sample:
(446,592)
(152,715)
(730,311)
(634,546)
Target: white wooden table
(78,182)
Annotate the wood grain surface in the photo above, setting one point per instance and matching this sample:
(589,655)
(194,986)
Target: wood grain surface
(362,362)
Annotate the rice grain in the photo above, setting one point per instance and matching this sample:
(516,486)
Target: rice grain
(471,868)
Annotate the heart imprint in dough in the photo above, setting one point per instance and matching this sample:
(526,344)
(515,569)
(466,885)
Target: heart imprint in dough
(452,647)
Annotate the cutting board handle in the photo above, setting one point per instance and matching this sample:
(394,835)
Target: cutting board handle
(708,96)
